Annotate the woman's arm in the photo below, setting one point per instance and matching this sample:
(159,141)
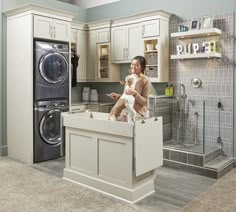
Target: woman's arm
(142,99)
(115,95)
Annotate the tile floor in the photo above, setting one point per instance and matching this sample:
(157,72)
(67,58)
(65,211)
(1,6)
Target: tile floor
(174,188)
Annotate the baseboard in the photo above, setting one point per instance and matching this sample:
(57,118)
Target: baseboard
(130,195)
(4,150)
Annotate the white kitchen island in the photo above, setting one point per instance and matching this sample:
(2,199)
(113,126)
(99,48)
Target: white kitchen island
(116,158)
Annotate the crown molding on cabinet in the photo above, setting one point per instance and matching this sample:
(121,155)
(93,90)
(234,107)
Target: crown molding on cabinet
(79,25)
(39,10)
(99,25)
(89,3)
(136,18)
(141,17)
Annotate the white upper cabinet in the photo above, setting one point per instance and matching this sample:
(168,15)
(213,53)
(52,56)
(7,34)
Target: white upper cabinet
(91,56)
(151,28)
(118,43)
(81,51)
(42,27)
(126,42)
(50,28)
(103,35)
(73,34)
(134,41)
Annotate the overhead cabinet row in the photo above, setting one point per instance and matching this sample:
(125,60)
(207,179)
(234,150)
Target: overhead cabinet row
(50,28)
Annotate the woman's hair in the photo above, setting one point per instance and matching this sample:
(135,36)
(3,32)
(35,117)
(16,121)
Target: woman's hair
(142,62)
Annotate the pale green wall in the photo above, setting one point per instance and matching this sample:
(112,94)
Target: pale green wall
(9,4)
(1,78)
(181,8)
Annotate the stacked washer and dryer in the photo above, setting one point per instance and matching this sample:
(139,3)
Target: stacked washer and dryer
(51,98)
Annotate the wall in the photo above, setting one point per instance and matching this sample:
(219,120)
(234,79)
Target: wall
(181,8)
(217,85)
(1,78)
(7,5)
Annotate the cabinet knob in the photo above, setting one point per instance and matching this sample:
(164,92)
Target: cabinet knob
(156,119)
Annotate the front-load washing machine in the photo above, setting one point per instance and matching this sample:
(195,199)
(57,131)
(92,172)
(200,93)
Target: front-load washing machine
(49,142)
(51,70)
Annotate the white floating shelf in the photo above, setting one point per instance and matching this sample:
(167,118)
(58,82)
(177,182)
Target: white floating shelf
(197,33)
(152,65)
(154,79)
(196,56)
(151,51)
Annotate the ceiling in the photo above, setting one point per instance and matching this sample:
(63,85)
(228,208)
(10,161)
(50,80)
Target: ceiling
(88,3)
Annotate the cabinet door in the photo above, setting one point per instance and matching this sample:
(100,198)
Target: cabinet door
(148,153)
(103,36)
(43,27)
(73,36)
(81,50)
(118,43)
(151,28)
(61,30)
(91,56)
(134,41)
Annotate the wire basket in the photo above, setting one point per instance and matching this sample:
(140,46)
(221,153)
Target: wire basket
(151,58)
(151,72)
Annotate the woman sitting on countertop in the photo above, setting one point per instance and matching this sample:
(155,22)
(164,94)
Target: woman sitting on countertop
(140,92)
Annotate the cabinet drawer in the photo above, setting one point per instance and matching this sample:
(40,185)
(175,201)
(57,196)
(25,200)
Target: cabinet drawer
(151,28)
(94,108)
(105,108)
(78,107)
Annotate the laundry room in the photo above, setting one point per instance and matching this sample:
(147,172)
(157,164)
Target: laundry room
(117,105)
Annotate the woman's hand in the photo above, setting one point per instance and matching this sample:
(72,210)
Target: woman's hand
(131,91)
(115,95)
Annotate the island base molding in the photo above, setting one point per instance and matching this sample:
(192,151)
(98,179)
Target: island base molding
(125,194)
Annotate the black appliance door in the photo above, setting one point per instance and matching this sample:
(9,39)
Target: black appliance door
(53,67)
(50,127)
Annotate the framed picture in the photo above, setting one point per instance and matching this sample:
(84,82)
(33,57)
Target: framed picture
(207,22)
(194,24)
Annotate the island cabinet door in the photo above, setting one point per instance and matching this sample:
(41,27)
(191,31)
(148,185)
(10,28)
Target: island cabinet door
(81,152)
(148,145)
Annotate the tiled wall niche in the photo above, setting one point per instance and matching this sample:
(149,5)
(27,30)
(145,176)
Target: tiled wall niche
(217,84)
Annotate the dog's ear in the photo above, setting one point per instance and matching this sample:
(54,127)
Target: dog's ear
(122,82)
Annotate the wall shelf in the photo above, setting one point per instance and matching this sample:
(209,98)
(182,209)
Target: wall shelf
(197,33)
(152,65)
(151,51)
(196,56)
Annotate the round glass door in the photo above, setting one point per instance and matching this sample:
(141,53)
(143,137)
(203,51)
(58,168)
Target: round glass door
(53,68)
(50,127)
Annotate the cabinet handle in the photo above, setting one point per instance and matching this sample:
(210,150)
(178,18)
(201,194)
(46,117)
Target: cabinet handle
(127,53)
(50,31)
(54,31)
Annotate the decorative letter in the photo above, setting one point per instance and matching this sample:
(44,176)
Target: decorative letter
(187,48)
(195,48)
(179,49)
